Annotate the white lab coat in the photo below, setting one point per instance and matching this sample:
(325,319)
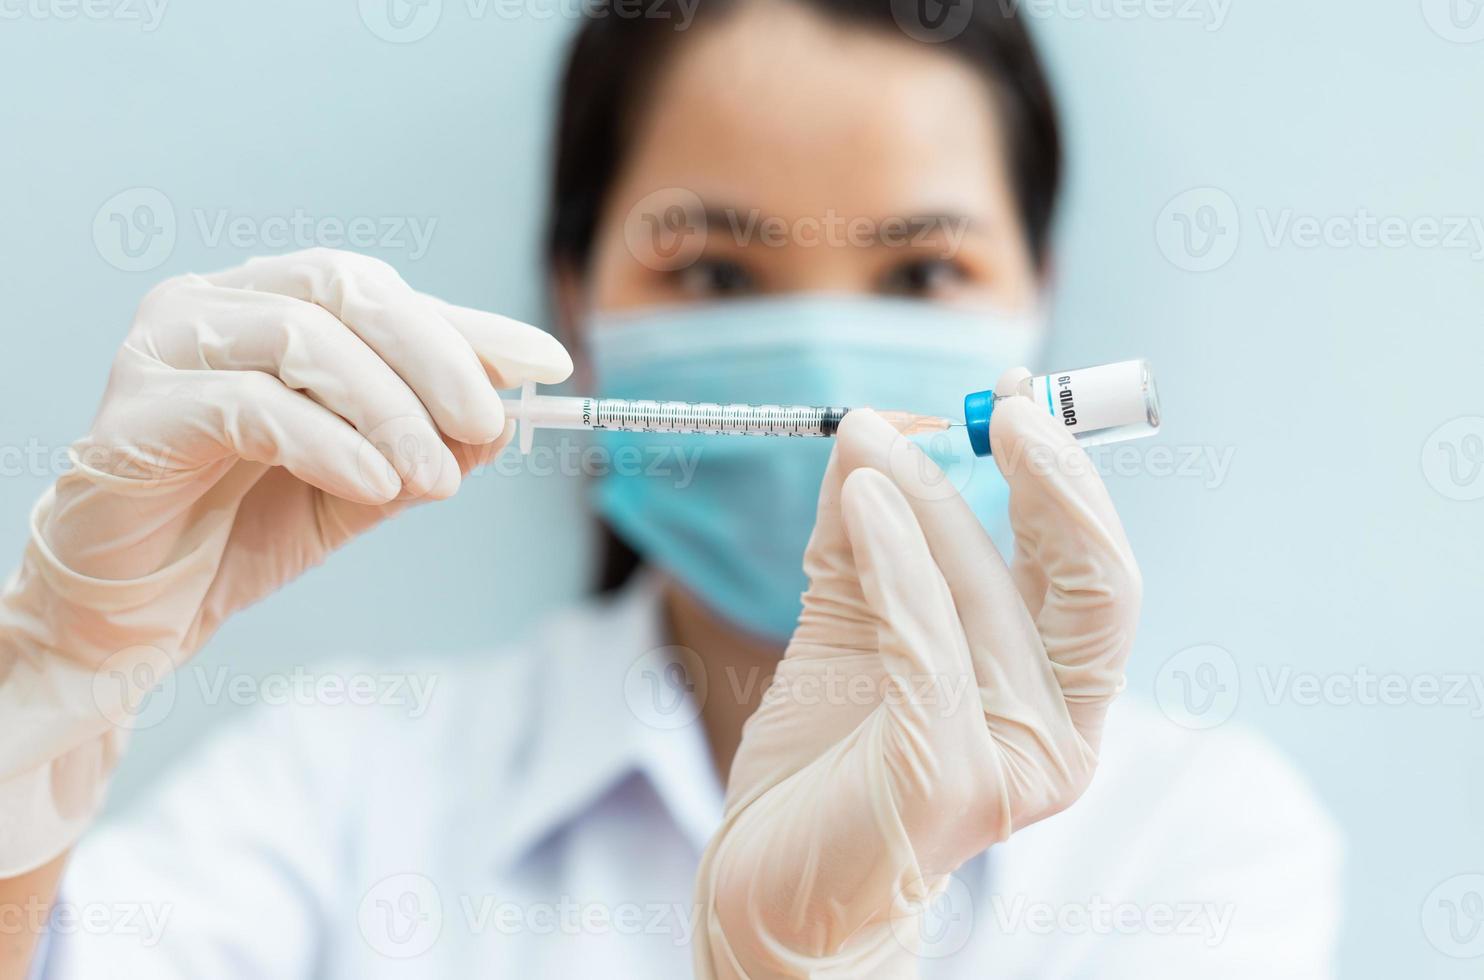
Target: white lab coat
(540,819)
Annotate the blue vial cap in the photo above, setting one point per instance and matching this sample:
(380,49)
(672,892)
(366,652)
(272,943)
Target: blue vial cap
(978,408)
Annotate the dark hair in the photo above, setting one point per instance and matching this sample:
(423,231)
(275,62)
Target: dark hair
(612,65)
(616,55)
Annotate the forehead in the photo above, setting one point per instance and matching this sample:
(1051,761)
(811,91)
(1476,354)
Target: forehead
(778,108)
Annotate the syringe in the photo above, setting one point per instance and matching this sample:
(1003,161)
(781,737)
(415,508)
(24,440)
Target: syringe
(533,411)
(1095,405)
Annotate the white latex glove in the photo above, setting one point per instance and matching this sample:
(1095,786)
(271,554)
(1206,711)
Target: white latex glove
(255,420)
(931,701)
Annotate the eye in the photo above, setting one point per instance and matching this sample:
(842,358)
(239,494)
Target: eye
(716,277)
(923,277)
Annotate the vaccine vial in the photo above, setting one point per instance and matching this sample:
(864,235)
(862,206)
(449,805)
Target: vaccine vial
(1097,405)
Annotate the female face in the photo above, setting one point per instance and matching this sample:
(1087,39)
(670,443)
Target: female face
(780,152)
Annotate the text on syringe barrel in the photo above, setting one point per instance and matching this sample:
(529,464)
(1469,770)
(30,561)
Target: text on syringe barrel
(710,418)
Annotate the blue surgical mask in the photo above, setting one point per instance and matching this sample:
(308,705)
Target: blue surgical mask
(729,516)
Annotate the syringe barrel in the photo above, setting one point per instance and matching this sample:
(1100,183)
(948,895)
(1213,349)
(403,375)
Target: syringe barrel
(714,419)
(1108,403)
(675,417)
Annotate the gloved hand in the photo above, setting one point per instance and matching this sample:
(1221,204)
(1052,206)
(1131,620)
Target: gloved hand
(255,420)
(850,800)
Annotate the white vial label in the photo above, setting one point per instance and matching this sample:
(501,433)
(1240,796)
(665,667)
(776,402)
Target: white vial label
(1096,398)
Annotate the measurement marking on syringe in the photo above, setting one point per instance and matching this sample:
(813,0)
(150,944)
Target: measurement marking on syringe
(703,417)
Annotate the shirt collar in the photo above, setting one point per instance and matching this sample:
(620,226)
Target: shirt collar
(596,721)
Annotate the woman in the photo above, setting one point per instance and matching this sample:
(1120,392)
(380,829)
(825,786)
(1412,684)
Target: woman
(794,200)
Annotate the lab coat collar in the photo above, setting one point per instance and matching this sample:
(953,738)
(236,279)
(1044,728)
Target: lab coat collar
(587,729)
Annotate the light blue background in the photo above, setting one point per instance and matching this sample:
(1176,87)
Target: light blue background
(1317,373)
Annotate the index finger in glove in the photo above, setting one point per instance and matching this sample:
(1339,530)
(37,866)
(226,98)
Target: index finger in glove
(919,636)
(512,352)
(1070,538)
(1029,576)
(836,615)
(1016,682)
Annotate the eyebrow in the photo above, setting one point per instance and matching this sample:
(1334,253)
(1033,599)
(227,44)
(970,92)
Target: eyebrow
(951,222)
(888,230)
